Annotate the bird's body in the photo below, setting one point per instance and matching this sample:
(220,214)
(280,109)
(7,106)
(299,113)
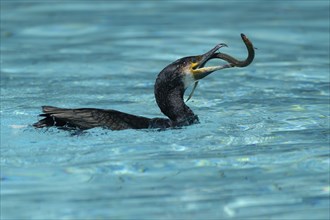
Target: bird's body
(86,118)
(169,89)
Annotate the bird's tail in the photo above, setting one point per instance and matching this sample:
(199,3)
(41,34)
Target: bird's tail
(49,119)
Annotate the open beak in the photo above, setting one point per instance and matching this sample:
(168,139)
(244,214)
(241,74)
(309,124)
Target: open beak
(199,71)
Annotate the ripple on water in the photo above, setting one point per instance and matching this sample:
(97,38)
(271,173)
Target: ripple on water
(60,30)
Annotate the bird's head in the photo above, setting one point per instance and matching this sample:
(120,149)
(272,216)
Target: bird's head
(190,69)
(193,68)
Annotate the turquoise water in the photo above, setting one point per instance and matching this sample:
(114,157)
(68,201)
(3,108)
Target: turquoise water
(261,150)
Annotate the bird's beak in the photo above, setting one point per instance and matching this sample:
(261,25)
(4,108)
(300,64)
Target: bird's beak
(199,71)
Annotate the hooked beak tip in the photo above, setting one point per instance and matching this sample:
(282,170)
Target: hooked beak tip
(222,45)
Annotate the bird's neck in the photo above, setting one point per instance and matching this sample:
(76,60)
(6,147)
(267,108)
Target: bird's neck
(170,102)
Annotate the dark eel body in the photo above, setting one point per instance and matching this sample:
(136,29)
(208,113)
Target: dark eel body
(169,89)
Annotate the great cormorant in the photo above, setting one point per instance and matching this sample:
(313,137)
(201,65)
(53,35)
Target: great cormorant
(169,89)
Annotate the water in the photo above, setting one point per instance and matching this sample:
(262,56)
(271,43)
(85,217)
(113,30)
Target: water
(261,150)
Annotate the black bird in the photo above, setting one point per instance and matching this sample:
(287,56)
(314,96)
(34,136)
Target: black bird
(170,86)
